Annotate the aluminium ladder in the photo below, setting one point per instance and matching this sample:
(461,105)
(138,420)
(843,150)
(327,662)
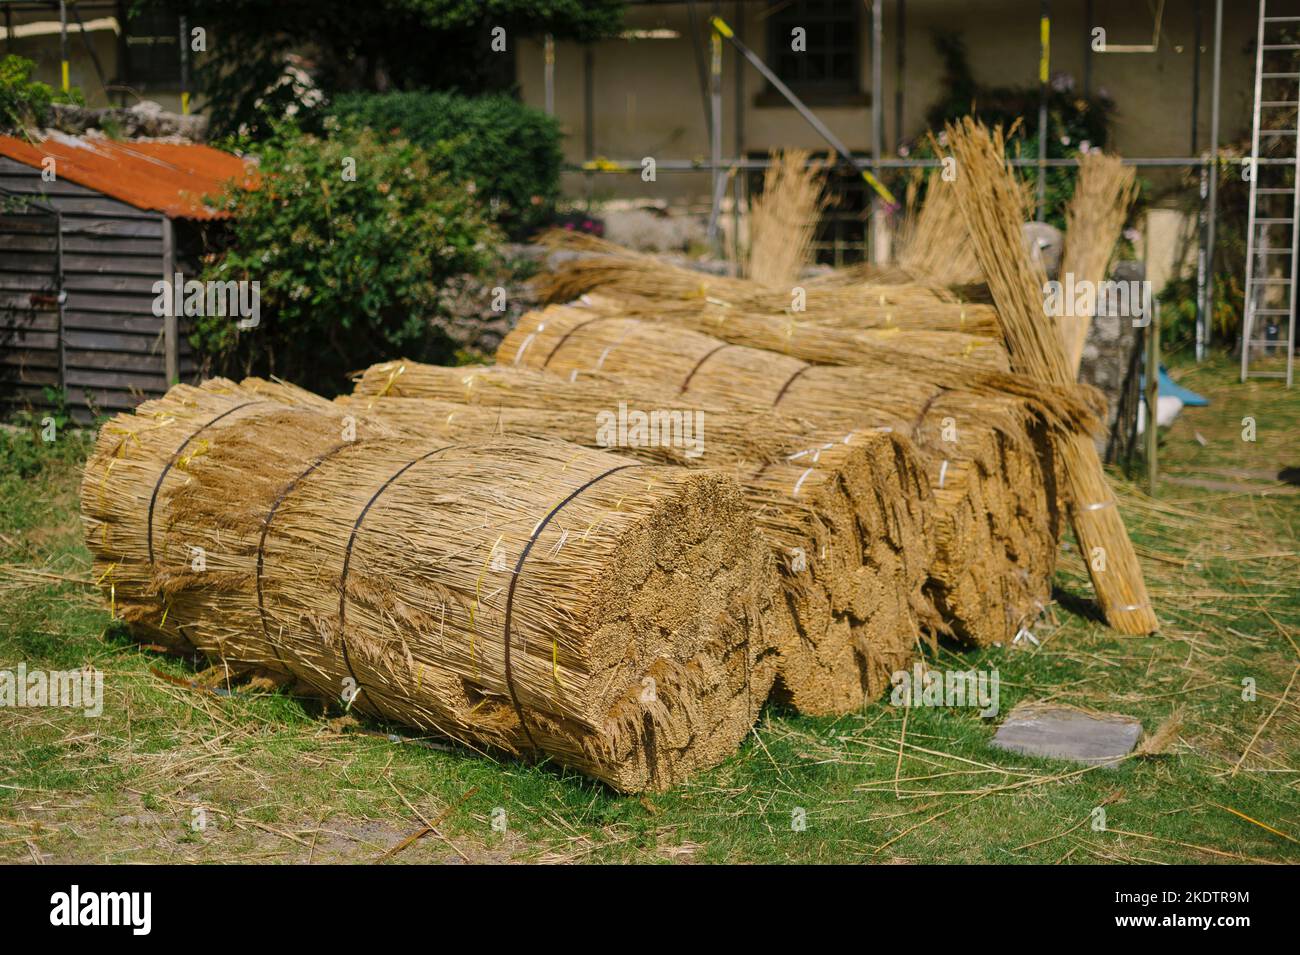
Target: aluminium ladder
(1271,246)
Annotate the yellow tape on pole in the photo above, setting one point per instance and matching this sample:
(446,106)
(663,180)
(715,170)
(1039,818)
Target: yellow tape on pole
(1045,38)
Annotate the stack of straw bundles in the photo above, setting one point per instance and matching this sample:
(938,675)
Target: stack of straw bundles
(990,201)
(1067,408)
(842,512)
(994,433)
(530,596)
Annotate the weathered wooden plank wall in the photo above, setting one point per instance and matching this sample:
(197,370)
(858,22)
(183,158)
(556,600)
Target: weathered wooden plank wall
(113,345)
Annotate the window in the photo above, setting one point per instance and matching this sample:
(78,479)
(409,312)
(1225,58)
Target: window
(153,55)
(829,65)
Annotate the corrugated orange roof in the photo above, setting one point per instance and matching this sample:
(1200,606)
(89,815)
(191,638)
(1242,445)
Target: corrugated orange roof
(171,178)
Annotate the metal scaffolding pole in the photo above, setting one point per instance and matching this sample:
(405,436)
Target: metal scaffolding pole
(1044,64)
(63,44)
(739,186)
(879,241)
(900,60)
(185,66)
(548,72)
(588,112)
(1214,175)
(718,180)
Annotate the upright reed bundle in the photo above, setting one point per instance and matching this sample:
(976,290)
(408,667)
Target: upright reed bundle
(783,219)
(843,513)
(987,431)
(935,242)
(1104,193)
(990,203)
(530,596)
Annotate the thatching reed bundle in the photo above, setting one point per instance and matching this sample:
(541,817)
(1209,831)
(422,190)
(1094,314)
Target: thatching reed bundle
(1094,218)
(1070,407)
(883,284)
(990,203)
(840,295)
(647,284)
(528,596)
(843,513)
(935,244)
(995,433)
(783,219)
(941,330)
(138,458)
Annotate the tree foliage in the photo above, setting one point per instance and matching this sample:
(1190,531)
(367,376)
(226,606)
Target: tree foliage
(376,46)
(508,153)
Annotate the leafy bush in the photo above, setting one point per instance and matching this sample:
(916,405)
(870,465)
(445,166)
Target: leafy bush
(510,152)
(349,271)
(24,102)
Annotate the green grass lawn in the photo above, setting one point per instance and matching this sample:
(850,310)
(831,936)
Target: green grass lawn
(274,778)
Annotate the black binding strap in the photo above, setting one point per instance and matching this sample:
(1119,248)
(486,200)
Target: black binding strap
(786,387)
(153,498)
(569,334)
(687,383)
(347,554)
(925,410)
(261,543)
(514,579)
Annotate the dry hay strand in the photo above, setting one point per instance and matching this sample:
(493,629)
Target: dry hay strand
(843,513)
(991,205)
(987,430)
(1103,195)
(935,243)
(1072,407)
(528,596)
(783,218)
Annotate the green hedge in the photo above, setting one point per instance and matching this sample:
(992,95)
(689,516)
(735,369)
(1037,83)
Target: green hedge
(510,152)
(350,240)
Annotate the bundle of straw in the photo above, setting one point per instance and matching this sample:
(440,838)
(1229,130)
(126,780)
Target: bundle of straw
(1071,408)
(1094,218)
(783,219)
(994,433)
(991,202)
(530,596)
(935,244)
(842,513)
(590,263)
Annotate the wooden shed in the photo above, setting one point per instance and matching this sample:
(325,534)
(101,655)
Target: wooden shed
(87,227)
